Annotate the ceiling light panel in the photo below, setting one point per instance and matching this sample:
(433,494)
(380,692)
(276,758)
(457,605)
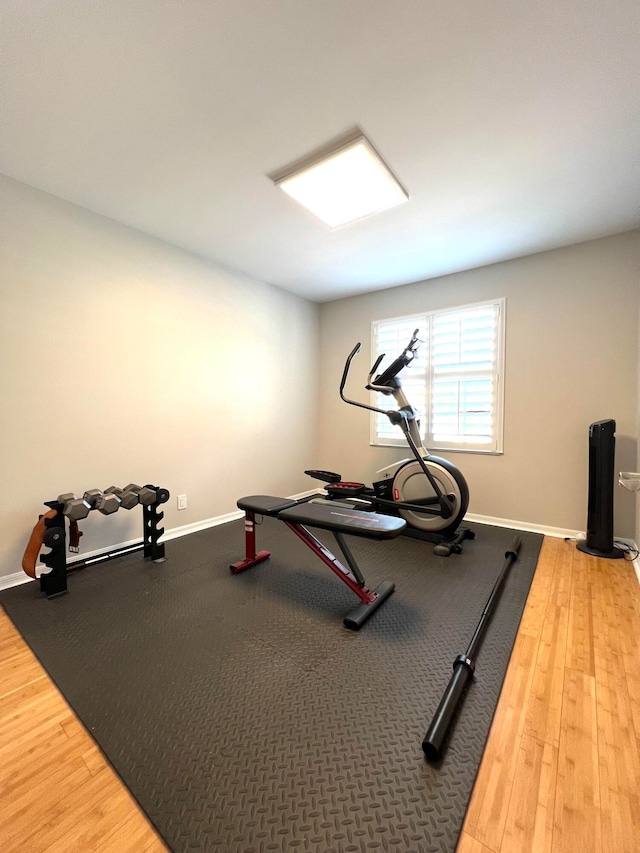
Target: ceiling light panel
(348,184)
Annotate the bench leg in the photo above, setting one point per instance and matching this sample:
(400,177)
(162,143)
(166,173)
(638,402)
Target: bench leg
(356,619)
(370,600)
(252,557)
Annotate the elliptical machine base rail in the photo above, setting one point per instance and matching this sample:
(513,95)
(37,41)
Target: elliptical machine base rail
(358,495)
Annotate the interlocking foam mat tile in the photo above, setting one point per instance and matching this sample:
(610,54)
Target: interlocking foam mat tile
(243,716)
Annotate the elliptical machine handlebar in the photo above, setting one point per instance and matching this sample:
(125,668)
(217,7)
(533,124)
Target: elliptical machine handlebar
(343,381)
(383,381)
(345,373)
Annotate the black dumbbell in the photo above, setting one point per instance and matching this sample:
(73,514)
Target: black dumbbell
(75,508)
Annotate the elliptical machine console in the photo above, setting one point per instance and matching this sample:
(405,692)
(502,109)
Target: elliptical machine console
(429,492)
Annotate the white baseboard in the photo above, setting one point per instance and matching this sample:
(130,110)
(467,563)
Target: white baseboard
(14,579)
(557,532)
(17,578)
(196,526)
(636,560)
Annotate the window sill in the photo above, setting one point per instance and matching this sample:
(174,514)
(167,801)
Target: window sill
(435,450)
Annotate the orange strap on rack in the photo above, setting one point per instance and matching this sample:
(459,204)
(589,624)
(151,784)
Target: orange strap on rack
(35,544)
(74,536)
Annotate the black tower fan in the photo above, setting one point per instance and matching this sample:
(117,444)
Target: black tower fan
(602,445)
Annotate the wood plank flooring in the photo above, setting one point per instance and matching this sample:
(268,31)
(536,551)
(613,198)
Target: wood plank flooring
(56,789)
(561,771)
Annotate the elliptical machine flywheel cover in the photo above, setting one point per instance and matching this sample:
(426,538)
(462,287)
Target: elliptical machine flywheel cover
(410,485)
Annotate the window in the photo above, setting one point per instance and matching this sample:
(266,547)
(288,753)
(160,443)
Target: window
(456,380)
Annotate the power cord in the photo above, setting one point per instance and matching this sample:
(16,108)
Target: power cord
(628,552)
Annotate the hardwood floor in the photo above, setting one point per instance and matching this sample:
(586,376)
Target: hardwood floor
(57,791)
(561,771)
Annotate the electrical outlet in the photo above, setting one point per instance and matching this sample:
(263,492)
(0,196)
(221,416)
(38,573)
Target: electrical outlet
(182,501)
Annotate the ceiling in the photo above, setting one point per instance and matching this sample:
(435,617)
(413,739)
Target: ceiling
(514,126)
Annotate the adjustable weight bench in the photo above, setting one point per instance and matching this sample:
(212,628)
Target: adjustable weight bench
(339,520)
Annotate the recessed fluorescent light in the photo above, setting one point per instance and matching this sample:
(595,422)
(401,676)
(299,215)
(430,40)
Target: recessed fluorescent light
(346,184)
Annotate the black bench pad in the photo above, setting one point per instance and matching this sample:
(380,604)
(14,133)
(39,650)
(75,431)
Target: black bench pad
(351,521)
(264,504)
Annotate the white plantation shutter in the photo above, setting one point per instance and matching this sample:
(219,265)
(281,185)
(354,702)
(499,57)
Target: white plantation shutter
(455,383)
(391,338)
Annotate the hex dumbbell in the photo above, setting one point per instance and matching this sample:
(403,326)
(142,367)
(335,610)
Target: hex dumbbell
(108,503)
(146,496)
(128,497)
(75,508)
(92,496)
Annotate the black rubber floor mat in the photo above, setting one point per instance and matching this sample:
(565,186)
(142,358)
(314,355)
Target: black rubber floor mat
(244,718)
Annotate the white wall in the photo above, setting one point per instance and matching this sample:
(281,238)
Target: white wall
(126,359)
(571,359)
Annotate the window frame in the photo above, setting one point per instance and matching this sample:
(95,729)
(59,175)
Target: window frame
(423,321)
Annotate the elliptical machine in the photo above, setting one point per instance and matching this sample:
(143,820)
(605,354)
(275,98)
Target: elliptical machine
(429,492)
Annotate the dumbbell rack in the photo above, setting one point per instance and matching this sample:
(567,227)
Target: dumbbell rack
(54,583)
